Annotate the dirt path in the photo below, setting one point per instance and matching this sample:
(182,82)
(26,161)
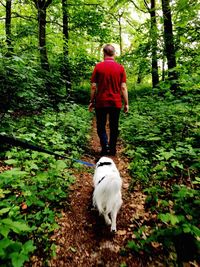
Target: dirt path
(83,239)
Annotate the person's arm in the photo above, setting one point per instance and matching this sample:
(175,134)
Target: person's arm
(92,96)
(125,96)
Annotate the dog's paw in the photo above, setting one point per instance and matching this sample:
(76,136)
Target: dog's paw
(113,230)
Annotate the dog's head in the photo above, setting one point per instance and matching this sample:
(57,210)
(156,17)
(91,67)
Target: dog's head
(104,161)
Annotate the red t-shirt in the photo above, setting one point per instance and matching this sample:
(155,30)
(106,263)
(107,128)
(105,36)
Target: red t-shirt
(108,75)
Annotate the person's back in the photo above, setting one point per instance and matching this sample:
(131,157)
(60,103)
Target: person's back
(108,84)
(109,75)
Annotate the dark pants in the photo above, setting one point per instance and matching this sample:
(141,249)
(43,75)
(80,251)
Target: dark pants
(101,116)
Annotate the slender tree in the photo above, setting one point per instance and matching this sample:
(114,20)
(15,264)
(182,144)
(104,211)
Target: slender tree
(119,20)
(153,34)
(117,16)
(66,71)
(41,6)
(154,46)
(6,88)
(169,43)
(8,27)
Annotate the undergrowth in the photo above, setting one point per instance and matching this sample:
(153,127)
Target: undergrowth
(34,186)
(162,136)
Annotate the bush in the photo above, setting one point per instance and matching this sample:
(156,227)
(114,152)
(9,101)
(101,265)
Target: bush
(34,188)
(162,136)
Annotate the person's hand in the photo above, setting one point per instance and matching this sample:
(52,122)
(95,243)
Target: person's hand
(126,108)
(91,106)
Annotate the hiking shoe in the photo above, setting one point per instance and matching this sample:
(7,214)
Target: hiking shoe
(112,152)
(105,151)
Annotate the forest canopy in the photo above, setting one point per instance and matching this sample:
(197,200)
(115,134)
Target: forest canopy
(48,47)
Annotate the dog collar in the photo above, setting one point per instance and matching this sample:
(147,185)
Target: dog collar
(101,180)
(103,163)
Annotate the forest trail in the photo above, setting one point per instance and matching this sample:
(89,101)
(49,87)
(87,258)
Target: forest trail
(83,239)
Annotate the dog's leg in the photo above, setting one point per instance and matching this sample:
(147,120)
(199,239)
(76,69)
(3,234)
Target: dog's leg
(107,219)
(113,220)
(113,215)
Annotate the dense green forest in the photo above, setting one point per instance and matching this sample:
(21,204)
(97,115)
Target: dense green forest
(48,51)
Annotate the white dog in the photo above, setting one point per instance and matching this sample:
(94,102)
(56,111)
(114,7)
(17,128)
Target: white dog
(107,190)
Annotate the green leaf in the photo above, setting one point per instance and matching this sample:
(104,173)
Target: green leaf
(28,247)
(196,230)
(3,192)
(4,210)
(183,39)
(60,165)
(18,259)
(186,228)
(168,155)
(11,161)
(132,245)
(153,138)
(177,164)
(4,243)
(20,227)
(42,176)
(50,124)
(4,230)
(15,172)
(16,226)
(16,58)
(34,166)
(197,180)
(169,218)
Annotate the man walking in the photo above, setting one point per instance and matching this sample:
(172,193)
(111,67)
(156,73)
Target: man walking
(108,87)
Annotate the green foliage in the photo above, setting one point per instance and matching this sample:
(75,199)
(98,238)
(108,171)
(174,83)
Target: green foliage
(14,251)
(81,65)
(35,188)
(162,132)
(162,143)
(22,83)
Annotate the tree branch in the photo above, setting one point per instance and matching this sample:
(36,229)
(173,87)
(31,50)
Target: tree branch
(147,7)
(2,4)
(137,6)
(85,4)
(17,15)
(129,22)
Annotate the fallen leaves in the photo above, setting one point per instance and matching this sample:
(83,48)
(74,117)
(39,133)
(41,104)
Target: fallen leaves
(24,206)
(121,232)
(155,244)
(72,249)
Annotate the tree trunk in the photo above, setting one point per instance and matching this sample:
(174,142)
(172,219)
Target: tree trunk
(154,48)
(8,27)
(169,43)
(120,34)
(6,90)
(139,77)
(41,6)
(66,69)
(119,19)
(42,38)
(163,67)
